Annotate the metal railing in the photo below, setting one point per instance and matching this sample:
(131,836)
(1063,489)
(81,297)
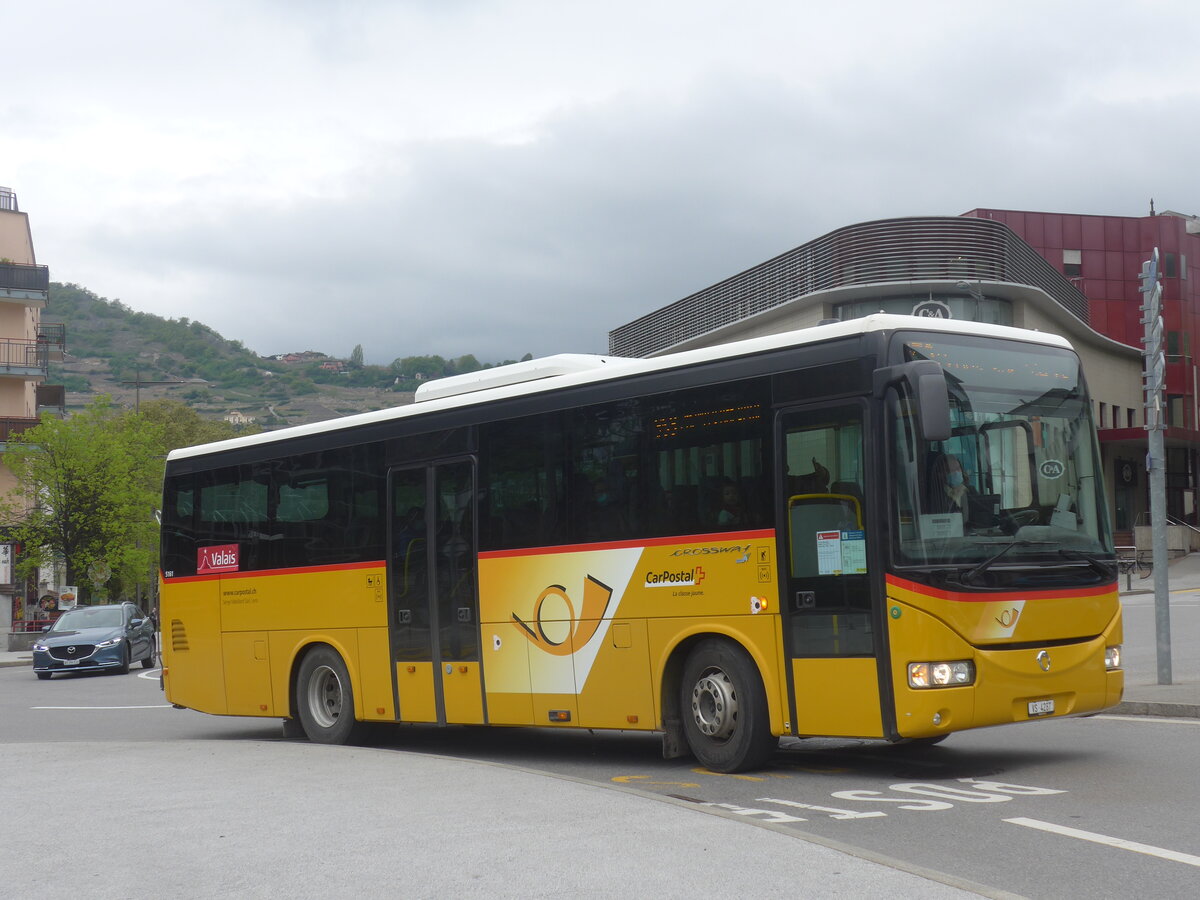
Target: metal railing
(20,354)
(9,427)
(52,332)
(20,277)
(944,248)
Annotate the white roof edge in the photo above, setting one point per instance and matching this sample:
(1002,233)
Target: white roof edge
(616,366)
(513,373)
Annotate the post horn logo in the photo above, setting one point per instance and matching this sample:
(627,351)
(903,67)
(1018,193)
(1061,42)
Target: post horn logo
(1043,660)
(555,628)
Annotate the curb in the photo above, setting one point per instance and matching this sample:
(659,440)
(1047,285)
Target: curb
(1156,708)
(10,664)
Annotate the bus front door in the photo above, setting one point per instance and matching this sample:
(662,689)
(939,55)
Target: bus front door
(829,623)
(433,605)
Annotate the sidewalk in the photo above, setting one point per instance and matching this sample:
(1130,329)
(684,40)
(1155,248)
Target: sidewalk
(1143,694)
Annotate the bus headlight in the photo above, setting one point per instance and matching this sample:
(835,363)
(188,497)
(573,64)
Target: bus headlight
(941,674)
(1112,657)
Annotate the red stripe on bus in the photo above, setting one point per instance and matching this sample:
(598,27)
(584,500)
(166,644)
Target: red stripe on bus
(1000,596)
(728,537)
(255,573)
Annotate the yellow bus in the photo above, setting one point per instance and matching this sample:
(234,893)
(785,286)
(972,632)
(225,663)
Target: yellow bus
(890,528)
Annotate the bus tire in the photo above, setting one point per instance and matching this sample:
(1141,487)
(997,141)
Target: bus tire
(325,697)
(724,708)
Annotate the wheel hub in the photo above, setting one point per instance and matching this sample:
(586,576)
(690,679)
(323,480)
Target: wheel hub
(325,697)
(714,704)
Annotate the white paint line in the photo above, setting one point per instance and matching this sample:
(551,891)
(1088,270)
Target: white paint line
(1155,720)
(159,706)
(1120,843)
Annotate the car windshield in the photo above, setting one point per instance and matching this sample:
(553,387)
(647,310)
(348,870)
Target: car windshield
(98,617)
(1020,473)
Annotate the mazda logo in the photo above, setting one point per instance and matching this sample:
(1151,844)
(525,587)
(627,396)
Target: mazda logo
(70,649)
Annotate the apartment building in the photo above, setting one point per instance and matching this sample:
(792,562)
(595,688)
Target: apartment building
(27,348)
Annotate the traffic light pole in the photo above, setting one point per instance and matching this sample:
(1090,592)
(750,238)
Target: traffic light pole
(1154,373)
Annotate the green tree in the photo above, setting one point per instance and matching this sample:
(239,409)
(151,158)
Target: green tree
(182,426)
(87,489)
(356,357)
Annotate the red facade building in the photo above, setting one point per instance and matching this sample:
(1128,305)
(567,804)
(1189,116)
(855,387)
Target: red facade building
(1102,256)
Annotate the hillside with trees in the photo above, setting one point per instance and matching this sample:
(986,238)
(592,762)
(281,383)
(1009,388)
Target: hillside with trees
(135,357)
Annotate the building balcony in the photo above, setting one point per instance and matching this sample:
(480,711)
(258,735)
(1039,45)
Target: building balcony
(24,359)
(27,285)
(54,336)
(10,427)
(52,398)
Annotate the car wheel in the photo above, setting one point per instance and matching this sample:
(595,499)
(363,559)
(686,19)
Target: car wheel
(148,662)
(44,676)
(325,698)
(123,669)
(725,708)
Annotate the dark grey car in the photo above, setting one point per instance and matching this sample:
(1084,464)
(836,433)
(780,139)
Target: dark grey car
(93,638)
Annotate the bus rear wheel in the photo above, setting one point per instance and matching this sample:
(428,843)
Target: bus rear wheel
(724,708)
(325,698)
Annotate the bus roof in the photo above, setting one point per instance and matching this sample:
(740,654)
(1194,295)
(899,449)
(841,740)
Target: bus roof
(568,370)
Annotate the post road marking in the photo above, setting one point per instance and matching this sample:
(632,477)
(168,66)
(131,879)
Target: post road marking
(1121,843)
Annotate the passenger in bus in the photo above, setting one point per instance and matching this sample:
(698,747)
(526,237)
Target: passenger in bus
(731,513)
(815,482)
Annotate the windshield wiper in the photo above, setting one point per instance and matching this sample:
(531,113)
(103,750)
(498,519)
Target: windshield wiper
(969,576)
(1104,570)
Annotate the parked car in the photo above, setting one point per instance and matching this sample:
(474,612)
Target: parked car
(92,638)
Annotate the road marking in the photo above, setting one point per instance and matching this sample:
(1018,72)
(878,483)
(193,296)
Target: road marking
(1157,720)
(1121,843)
(159,706)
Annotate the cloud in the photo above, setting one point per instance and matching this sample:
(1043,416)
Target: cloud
(499,178)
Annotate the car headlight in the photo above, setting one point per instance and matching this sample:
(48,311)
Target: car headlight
(941,674)
(1112,657)
(111,642)
(40,648)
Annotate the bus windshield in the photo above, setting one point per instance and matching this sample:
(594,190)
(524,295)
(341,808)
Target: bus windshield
(1018,480)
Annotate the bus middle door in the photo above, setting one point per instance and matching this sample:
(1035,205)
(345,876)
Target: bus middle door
(433,605)
(829,631)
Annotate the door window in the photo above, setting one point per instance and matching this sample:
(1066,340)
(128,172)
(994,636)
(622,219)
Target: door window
(826,533)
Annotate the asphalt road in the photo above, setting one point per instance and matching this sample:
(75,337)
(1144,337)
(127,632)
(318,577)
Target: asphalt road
(1084,808)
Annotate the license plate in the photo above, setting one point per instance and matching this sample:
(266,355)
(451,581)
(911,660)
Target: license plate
(70,662)
(1041,707)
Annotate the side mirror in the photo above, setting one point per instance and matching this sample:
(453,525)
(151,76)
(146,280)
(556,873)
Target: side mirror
(927,384)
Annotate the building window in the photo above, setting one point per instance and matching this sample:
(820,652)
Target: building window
(1116,419)
(1072,263)
(1103,415)
(1129,422)
(1169,268)
(1175,410)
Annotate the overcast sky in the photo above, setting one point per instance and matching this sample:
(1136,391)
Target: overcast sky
(499,177)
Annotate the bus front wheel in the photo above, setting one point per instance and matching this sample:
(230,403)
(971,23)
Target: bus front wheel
(725,708)
(325,698)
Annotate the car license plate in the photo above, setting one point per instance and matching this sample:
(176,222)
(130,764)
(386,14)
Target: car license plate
(1041,707)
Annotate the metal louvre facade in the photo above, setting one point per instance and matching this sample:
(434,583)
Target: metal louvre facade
(890,251)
